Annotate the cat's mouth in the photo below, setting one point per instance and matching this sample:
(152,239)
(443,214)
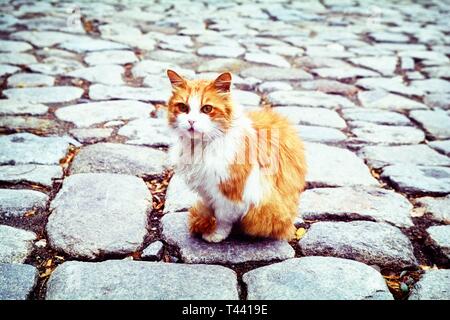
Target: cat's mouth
(194,134)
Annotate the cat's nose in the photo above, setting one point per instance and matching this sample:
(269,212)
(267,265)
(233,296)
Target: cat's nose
(191,122)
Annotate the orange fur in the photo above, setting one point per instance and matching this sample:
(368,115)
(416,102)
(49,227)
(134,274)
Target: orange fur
(233,188)
(201,219)
(274,215)
(222,111)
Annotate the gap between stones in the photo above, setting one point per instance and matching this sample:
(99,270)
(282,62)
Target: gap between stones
(426,255)
(45,259)
(38,221)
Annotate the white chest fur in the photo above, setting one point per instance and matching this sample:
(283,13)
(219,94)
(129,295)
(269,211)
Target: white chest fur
(205,165)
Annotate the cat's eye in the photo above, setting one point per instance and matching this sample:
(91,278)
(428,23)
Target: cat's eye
(182,107)
(206,108)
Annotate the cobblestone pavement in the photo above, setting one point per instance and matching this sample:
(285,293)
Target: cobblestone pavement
(88,204)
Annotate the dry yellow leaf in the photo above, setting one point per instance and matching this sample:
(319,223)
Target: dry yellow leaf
(424,267)
(418,212)
(49,263)
(30,213)
(300,233)
(47,273)
(393,284)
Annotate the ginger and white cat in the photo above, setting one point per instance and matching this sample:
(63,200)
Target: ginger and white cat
(248,167)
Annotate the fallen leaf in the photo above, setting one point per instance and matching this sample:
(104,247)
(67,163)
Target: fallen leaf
(393,284)
(30,213)
(423,267)
(300,233)
(47,273)
(68,158)
(49,263)
(418,212)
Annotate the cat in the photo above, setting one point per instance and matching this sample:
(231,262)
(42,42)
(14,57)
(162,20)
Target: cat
(248,167)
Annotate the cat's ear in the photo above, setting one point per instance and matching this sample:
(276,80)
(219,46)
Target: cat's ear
(175,79)
(223,82)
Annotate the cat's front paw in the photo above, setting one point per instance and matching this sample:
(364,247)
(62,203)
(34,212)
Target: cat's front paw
(214,237)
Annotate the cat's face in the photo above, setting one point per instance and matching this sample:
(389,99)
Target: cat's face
(200,109)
